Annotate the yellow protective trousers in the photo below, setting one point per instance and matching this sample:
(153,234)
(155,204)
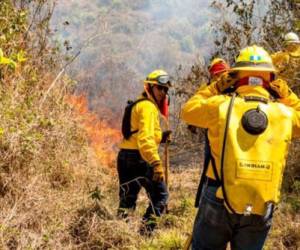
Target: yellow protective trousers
(251,165)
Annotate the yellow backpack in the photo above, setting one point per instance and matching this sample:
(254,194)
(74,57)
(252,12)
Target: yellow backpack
(255,133)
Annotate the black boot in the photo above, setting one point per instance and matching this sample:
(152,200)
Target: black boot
(147,227)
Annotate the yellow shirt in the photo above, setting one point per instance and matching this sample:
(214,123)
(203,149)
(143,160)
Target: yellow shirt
(145,119)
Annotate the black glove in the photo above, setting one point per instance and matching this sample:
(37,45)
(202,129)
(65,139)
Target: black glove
(166,136)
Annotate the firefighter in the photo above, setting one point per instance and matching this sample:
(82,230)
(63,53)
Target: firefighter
(249,132)
(139,164)
(217,67)
(287,61)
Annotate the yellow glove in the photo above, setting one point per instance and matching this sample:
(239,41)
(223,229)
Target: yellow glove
(225,81)
(280,87)
(158,172)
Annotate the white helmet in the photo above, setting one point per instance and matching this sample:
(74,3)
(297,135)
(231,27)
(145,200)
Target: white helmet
(291,37)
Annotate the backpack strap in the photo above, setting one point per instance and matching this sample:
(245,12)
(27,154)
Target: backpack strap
(228,116)
(204,171)
(126,122)
(207,159)
(213,163)
(214,167)
(133,104)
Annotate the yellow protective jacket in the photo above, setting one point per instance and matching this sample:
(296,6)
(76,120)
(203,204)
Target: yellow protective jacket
(145,118)
(253,165)
(287,65)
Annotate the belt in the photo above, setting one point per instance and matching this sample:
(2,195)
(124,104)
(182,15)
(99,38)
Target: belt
(212,183)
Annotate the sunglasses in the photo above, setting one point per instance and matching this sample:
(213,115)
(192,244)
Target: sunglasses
(162,88)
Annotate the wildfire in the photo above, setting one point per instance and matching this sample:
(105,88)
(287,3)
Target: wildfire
(103,138)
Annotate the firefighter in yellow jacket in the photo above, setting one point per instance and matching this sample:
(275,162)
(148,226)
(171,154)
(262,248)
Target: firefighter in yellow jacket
(139,163)
(249,133)
(287,61)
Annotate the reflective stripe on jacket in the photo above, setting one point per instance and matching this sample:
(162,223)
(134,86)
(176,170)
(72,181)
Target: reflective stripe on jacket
(145,119)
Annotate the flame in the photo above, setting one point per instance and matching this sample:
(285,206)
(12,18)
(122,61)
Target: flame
(102,137)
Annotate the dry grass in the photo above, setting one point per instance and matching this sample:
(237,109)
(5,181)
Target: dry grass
(81,215)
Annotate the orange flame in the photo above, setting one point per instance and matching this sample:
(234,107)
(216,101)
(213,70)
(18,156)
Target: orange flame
(103,138)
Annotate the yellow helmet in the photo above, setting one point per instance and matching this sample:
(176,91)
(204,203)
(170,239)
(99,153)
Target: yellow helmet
(291,37)
(159,77)
(254,58)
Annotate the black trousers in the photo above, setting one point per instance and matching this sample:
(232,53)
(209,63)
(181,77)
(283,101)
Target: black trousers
(135,173)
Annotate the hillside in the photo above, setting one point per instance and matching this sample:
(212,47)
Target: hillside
(122,41)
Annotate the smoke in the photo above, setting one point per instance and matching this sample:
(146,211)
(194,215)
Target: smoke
(120,42)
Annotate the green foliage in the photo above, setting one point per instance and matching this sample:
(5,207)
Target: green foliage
(292,191)
(294,202)
(243,23)
(12,27)
(6,61)
(129,39)
(296,187)
(168,241)
(40,141)
(96,194)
